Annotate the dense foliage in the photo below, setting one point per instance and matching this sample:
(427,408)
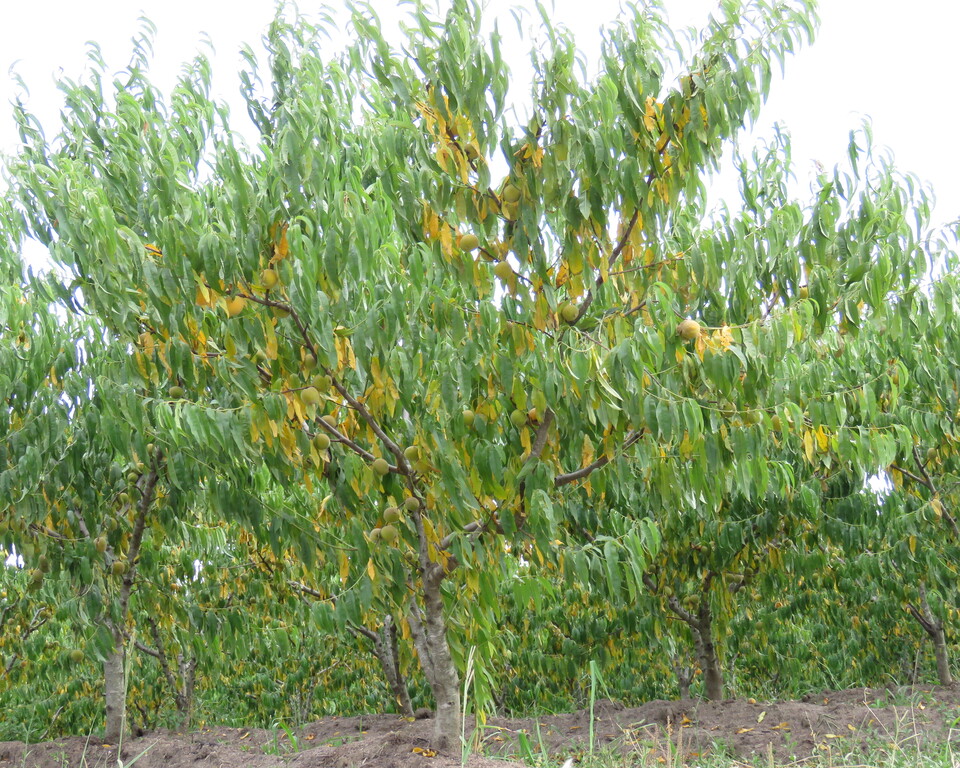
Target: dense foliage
(417,390)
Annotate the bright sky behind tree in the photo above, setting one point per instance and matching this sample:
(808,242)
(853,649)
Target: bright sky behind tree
(892,61)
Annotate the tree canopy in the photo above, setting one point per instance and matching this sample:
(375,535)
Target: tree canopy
(423,349)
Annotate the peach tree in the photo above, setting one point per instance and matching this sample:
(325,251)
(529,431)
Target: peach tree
(449,321)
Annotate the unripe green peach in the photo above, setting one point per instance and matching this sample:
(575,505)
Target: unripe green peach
(510,194)
(381,466)
(503,271)
(389,533)
(688,329)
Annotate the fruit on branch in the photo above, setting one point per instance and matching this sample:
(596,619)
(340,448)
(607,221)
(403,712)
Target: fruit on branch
(175,392)
(411,453)
(269,279)
(469,242)
(688,330)
(518,418)
(321,441)
(309,363)
(310,396)
(235,306)
(503,270)
(569,312)
(411,503)
(391,515)
(76,655)
(468,417)
(389,533)
(381,466)
(510,194)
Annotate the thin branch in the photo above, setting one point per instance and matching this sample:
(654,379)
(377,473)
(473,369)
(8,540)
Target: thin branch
(579,474)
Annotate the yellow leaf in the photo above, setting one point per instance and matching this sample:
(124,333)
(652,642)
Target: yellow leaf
(937,506)
(823,439)
(344,566)
(744,730)
(282,247)
(587,452)
(270,335)
(446,242)
(345,356)
(912,543)
(371,571)
(808,445)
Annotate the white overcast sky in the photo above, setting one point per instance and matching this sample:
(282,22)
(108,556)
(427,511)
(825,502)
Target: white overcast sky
(893,61)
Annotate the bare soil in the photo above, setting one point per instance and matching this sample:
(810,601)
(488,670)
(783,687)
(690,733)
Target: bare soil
(840,722)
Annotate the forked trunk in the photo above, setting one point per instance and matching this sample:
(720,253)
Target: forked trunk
(386,648)
(184,696)
(933,626)
(115,692)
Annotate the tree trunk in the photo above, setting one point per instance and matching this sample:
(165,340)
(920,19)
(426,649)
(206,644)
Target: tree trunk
(385,648)
(429,632)
(712,672)
(397,681)
(684,676)
(701,628)
(115,692)
(942,654)
(933,626)
(184,697)
(445,682)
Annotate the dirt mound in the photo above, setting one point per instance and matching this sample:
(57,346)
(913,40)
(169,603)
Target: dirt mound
(845,721)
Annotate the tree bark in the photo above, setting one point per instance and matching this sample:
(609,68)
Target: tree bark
(115,692)
(701,629)
(942,655)
(445,682)
(397,681)
(710,663)
(385,648)
(115,687)
(684,675)
(933,626)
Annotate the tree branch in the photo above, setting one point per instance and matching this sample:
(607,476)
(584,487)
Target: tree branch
(579,474)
